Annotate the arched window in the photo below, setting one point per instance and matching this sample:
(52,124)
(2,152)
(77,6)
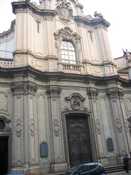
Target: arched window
(67,52)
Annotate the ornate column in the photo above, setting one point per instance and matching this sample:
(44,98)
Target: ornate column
(18,151)
(25,135)
(56,145)
(116,94)
(94,121)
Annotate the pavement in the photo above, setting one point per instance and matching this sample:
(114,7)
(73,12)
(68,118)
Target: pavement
(120,173)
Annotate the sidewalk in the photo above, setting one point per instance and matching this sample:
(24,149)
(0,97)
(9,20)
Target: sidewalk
(121,173)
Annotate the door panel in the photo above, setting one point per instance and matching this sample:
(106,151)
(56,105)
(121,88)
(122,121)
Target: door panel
(78,139)
(3,155)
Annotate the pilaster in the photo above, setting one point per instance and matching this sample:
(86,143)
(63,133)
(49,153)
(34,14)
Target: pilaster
(25,136)
(92,95)
(56,150)
(116,101)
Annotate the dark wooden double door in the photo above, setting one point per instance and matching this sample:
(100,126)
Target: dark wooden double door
(78,139)
(3,155)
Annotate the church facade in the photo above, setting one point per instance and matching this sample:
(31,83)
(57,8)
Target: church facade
(63,99)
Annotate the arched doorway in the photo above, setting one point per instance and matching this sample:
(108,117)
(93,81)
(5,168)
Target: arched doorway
(78,138)
(4,145)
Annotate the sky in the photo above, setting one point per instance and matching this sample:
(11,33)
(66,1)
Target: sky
(117,12)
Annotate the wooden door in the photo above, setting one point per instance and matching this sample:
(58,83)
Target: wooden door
(3,155)
(78,139)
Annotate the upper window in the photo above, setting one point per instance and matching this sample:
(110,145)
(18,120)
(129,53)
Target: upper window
(67,52)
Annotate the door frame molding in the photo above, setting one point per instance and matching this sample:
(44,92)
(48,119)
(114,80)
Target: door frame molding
(65,137)
(6,132)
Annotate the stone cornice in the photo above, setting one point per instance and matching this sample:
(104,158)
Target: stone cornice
(93,21)
(22,5)
(45,76)
(35,55)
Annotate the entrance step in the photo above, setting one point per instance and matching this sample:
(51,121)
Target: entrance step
(16,172)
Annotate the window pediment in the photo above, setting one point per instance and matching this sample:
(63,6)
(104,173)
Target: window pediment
(67,34)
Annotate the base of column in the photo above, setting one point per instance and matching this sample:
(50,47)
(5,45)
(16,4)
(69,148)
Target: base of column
(16,171)
(26,171)
(58,167)
(33,170)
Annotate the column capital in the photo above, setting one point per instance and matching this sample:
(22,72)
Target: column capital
(24,88)
(92,92)
(115,92)
(53,91)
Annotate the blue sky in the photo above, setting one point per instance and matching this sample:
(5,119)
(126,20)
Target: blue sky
(117,12)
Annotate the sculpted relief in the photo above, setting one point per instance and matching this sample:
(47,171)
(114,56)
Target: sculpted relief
(76,101)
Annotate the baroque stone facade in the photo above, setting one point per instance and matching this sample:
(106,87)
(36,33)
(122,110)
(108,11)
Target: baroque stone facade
(62,98)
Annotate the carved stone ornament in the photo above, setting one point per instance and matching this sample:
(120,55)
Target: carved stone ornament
(53,91)
(98,126)
(4,124)
(92,93)
(129,124)
(64,9)
(115,92)
(32,127)
(66,34)
(118,124)
(56,127)
(24,88)
(76,101)
(19,127)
